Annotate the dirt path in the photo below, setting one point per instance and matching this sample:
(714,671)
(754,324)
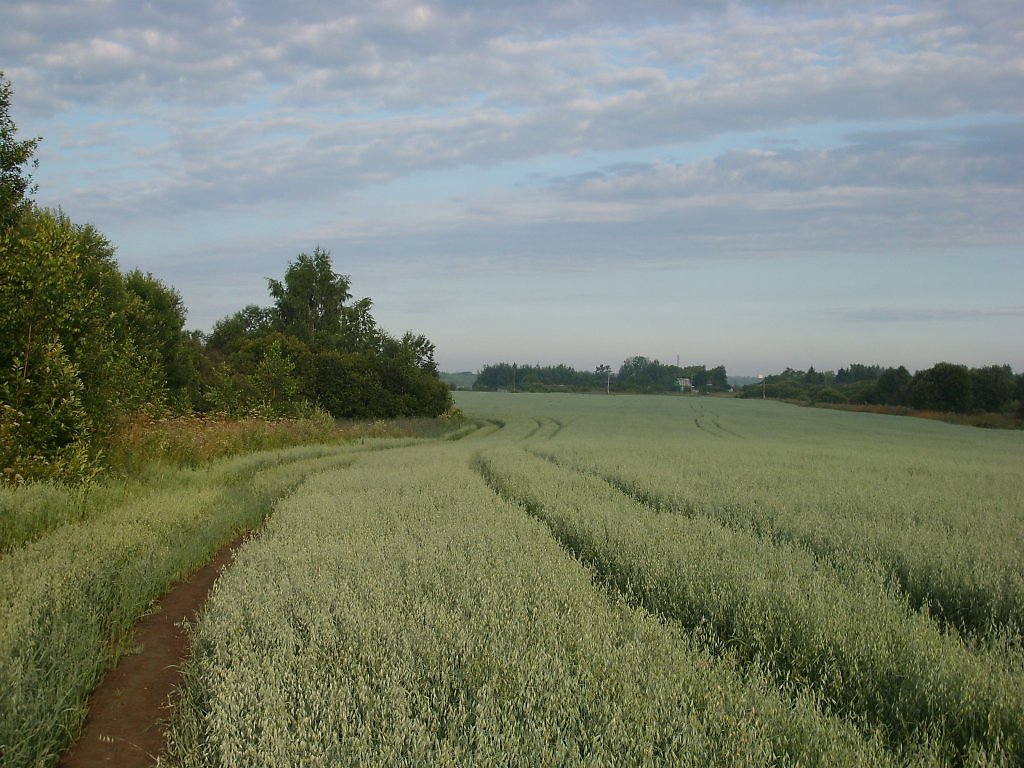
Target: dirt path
(128,711)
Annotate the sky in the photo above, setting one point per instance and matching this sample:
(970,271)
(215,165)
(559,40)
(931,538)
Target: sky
(759,185)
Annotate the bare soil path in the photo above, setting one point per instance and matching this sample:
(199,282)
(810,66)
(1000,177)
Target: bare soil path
(130,708)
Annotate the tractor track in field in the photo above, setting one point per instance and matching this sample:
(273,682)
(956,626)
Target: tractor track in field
(130,708)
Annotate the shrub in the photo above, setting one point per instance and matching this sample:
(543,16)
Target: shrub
(829,395)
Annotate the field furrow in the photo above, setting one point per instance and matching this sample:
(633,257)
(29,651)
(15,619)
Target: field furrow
(399,613)
(972,581)
(564,580)
(846,636)
(68,600)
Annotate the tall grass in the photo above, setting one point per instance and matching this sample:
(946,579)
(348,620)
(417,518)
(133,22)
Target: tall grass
(843,634)
(67,601)
(189,441)
(30,511)
(147,448)
(398,613)
(966,571)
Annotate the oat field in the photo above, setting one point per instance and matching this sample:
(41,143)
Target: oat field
(611,581)
(565,580)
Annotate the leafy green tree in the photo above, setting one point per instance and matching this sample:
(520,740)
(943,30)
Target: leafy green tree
(413,350)
(16,157)
(229,353)
(829,395)
(156,316)
(347,385)
(120,372)
(265,376)
(359,331)
(40,295)
(311,298)
(861,391)
(642,374)
(227,391)
(496,376)
(44,428)
(331,350)
(410,391)
(276,388)
(71,363)
(718,379)
(992,388)
(813,378)
(246,324)
(943,387)
(857,372)
(59,284)
(892,385)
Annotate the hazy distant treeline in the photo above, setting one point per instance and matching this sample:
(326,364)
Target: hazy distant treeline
(636,374)
(943,387)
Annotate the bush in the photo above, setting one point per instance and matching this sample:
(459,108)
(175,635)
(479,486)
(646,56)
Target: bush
(44,429)
(829,395)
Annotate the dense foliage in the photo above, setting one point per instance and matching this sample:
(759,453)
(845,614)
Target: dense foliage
(83,347)
(637,374)
(15,161)
(314,347)
(944,387)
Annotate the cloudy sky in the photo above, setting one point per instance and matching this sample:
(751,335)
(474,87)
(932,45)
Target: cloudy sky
(758,185)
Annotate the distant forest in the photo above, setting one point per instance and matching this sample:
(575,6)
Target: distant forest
(637,374)
(945,387)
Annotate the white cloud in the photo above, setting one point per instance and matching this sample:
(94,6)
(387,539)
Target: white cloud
(576,133)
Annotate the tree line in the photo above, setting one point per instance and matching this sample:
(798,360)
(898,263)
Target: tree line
(636,374)
(84,346)
(947,387)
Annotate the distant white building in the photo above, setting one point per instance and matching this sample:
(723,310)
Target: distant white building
(684,385)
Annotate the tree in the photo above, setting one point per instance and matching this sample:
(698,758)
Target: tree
(829,395)
(230,350)
(943,387)
(718,379)
(59,283)
(15,158)
(74,359)
(156,315)
(310,300)
(861,391)
(813,378)
(359,331)
(891,388)
(992,388)
(857,372)
(330,349)
(497,376)
(417,350)
(44,428)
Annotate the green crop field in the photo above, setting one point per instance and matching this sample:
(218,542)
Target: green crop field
(568,580)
